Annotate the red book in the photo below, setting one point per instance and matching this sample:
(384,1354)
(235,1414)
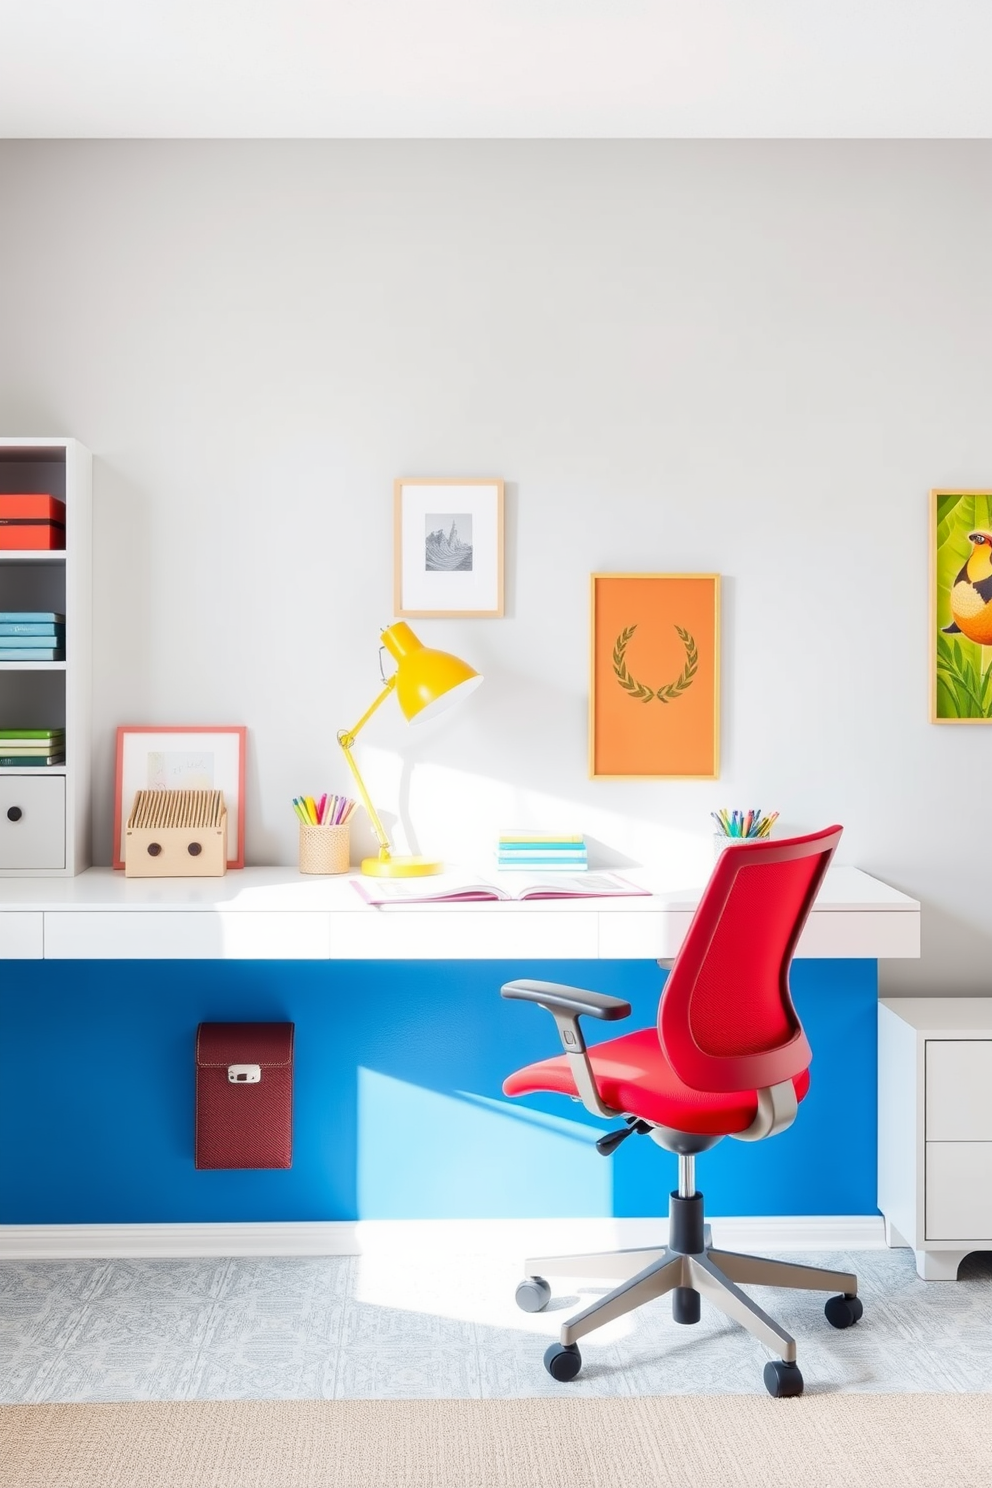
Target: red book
(31,521)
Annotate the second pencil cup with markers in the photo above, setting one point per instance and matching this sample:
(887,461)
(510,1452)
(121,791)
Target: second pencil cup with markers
(325,849)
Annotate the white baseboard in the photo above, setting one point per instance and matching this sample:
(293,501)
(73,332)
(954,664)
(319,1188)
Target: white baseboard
(398,1237)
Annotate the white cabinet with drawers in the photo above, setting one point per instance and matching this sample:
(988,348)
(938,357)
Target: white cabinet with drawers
(935,1128)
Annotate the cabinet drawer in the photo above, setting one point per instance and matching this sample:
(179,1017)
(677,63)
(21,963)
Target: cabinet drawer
(35,838)
(959,1191)
(959,1090)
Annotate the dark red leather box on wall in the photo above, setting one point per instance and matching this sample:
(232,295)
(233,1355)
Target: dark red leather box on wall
(244,1095)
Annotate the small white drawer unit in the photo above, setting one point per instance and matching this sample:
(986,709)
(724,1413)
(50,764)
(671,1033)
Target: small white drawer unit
(32,821)
(935,1128)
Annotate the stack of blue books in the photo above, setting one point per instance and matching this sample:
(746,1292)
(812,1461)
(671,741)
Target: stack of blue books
(546,851)
(32,635)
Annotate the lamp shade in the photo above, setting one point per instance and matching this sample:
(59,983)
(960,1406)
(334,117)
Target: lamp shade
(427,681)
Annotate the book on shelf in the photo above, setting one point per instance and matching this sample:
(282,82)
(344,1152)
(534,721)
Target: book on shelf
(36,617)
(30,736)
(449,888)
(51,746)
(25,748)
(31,653)
(32,642)
(48,630)
(29,761)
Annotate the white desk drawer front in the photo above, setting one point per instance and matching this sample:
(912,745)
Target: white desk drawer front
(457,933)
(22,936)
(32,821)
(959,1191)
(959,1090)
(178,935)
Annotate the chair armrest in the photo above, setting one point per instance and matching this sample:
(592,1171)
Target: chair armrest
(567,1005)
(554,995)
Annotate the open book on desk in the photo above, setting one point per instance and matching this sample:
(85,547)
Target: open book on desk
(450,888)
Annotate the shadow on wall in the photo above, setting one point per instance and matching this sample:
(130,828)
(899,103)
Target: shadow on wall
(947,942)
(126,587)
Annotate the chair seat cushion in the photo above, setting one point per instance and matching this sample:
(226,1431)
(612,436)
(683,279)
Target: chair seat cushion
(633,1076)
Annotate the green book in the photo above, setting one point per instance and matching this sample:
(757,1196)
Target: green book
(55,733)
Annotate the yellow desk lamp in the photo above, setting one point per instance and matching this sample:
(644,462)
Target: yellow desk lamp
(425,682)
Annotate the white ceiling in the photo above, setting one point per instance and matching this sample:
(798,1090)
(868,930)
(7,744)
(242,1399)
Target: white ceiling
(495,68)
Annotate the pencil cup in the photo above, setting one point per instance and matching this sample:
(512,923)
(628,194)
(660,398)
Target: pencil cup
(720,841)
(324,849)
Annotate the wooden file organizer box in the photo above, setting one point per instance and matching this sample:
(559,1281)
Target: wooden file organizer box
(176,834)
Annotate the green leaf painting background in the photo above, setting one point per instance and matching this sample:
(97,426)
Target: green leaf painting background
(964,670)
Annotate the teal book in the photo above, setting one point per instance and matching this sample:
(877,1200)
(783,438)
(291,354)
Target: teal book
(31,617)
(541,849)
(50,642)
(32,653)
(31,633)
(29,761)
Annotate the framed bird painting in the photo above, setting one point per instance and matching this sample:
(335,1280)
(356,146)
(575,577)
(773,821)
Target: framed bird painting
(961,606)
(654,697)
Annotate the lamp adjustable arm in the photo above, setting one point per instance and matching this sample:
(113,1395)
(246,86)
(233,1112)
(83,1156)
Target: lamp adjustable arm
(346,738)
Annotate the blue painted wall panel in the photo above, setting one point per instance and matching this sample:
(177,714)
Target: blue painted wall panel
(399,1112)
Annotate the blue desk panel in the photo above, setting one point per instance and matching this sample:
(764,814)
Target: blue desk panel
(398,1111)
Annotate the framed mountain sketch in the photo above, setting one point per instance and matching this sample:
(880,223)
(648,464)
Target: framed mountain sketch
(961,606)
(448,548)
(654,696)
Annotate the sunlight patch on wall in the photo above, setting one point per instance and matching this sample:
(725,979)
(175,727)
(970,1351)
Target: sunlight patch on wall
(422,1153)
(458,814)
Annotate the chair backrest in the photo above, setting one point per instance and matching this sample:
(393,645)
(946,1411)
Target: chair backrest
(726,1019)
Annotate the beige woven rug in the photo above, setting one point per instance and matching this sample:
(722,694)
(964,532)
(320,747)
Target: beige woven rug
(709,1441)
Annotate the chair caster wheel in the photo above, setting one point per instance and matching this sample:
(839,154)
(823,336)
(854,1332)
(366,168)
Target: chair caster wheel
(562,1361)
(843,1312)
(782,1379)
(533,1294)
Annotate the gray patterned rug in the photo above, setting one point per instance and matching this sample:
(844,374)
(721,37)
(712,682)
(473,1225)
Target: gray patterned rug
(447,1327)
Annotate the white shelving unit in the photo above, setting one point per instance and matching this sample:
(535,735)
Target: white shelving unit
(50,837)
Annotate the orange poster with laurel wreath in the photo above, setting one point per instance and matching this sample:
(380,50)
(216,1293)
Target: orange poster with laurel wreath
(654,707)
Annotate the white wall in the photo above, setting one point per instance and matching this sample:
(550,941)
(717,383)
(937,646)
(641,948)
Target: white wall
(751,358)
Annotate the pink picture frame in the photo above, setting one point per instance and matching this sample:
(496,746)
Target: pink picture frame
(182,756)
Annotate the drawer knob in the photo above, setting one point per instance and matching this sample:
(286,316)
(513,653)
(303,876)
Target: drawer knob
(154,848)
(194,849)
(14,813)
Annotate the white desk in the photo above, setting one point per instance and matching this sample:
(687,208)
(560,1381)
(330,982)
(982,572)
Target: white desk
(279,914)
(84,1181)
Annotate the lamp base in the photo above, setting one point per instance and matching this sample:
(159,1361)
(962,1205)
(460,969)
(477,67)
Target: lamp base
(408,867)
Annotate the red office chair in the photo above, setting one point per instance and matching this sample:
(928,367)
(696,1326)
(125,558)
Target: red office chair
(728,1058)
